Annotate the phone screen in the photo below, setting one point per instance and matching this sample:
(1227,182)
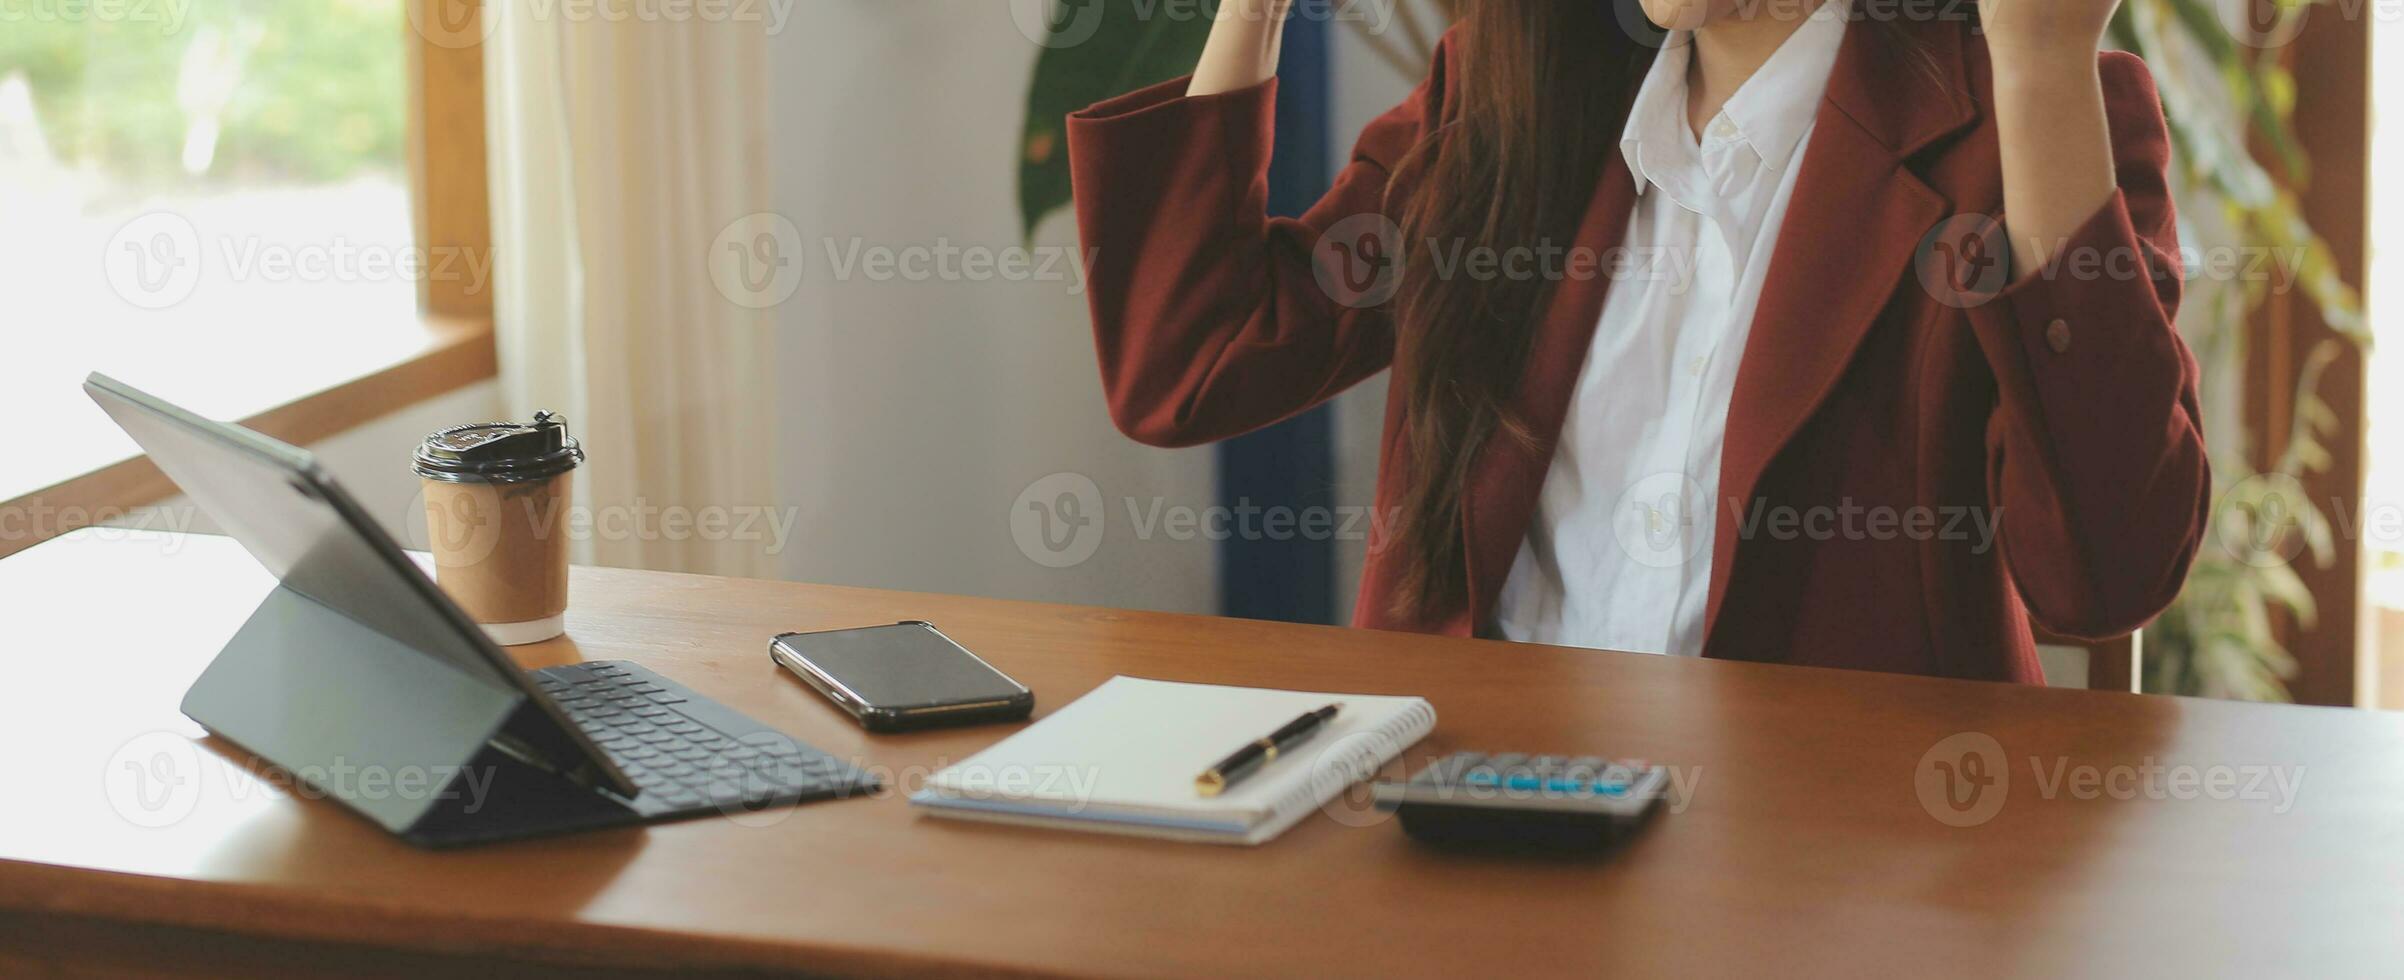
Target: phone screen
(901,666)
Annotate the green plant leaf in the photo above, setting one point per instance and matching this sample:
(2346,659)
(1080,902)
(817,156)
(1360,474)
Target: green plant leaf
(1132,43)
(2230,110)
(2281,584)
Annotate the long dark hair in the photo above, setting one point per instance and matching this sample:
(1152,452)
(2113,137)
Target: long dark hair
(1538,94)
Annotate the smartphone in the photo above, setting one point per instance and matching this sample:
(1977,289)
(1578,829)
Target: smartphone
(902,677)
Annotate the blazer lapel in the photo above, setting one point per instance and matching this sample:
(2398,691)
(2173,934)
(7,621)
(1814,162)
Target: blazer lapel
(1857,217)
(1500,501)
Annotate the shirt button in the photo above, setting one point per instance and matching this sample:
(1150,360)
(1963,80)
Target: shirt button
(1723,128)
(2057,336)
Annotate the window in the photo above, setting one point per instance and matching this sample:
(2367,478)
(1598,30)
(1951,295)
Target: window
(2383,394)
(222,200)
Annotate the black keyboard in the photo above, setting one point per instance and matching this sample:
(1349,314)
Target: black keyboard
(687,753)
(1544,802)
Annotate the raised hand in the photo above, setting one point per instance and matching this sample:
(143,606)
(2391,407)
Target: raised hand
(1244,46)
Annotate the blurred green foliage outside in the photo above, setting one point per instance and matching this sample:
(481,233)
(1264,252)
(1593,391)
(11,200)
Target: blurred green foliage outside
(269,91)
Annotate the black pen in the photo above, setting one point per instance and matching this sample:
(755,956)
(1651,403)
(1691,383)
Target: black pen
(1261,752)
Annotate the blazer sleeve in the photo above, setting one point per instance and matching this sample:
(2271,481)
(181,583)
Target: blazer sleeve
(2096,448)
(1210,317)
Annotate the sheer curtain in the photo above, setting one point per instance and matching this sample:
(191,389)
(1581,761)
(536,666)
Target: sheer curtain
(629,190)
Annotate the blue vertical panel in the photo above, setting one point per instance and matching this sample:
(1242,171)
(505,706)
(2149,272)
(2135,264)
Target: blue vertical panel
(1270,569)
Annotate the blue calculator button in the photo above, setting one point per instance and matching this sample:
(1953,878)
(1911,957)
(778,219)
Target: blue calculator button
(1611,789)
(1565,786)
(1483,778)
(1524,783)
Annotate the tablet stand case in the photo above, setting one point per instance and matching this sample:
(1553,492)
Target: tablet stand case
(402,739)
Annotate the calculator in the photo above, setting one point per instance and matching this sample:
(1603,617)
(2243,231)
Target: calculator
(1537,802)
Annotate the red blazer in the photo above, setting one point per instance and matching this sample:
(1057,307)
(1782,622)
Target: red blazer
(2062,410)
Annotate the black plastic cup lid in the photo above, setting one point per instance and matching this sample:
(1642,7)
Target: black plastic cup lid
(500,452)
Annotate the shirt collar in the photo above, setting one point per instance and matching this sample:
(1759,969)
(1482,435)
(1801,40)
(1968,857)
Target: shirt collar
(1772,111)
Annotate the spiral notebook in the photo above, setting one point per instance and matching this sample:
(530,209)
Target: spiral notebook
(1123,758)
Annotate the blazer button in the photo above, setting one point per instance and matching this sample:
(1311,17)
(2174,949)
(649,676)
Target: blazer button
(2057,336)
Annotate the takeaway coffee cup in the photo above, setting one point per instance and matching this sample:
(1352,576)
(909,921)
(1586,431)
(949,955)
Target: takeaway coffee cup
(497,497)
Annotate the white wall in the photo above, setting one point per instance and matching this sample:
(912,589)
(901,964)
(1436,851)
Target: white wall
(914,414)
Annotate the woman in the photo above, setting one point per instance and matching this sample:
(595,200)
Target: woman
(1813,336)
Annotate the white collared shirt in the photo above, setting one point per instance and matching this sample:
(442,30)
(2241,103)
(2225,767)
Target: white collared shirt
(1619,553)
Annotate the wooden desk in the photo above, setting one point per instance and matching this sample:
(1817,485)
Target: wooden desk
(1803,848)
